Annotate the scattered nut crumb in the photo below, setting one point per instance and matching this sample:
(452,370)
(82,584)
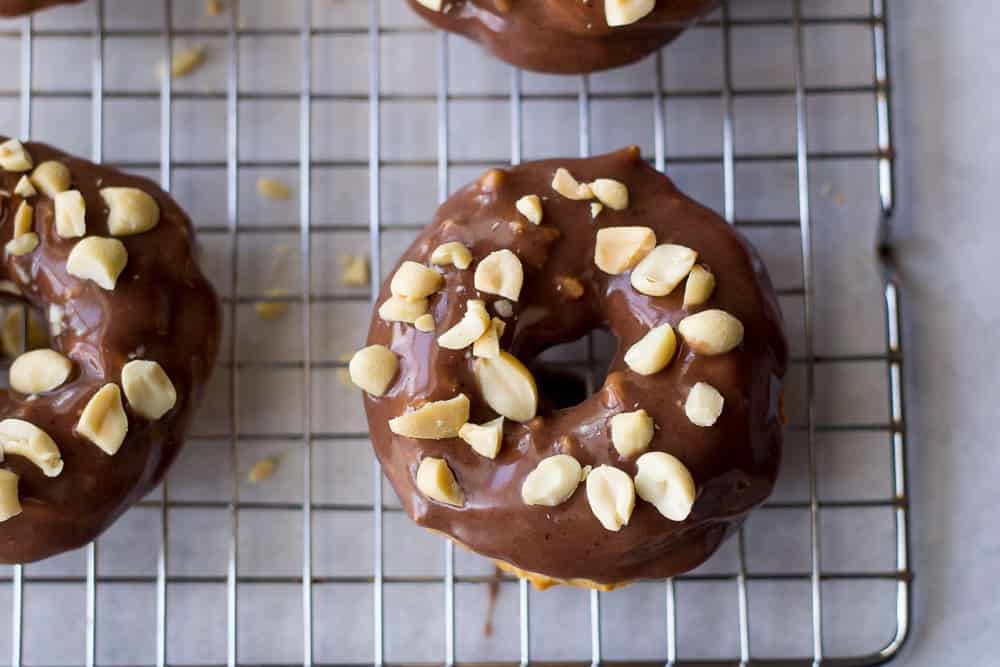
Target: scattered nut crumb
(186,61)
(272,188)
(263,469)
(213,7)
(272,310)
(354,270)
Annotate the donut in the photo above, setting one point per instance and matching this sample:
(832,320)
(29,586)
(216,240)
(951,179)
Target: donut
(18,7)
(642,479)
(566,36)
(92,420)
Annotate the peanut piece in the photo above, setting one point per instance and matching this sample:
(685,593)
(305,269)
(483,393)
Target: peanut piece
(51,178)
(10,505)
(71,214)
(272,310)
(631,432)
(14,156)
(130,211)
(565,184)
(103,421)
(653,352)
(424,323)
(98,259)
(436,480)
(611,496)
(23,438)
(625,12)
(704,404)
(507,386)
(699,287)
(530,206)
(187,60)
(469,329)
(38,371)
(354,271)
(272,188)
(663,269)
(500,273)
(618,249)
(398,309)
(148,388)
(454,253)
(213,7)
(22,244)
(611,193)
(486,439)
(666,484)
(263,469)
(23,219)
(595,209)
(711,332)
(433,5)
(488,345)
(413,281)
(435,420)
(552,482)
(24,189)
(372,369)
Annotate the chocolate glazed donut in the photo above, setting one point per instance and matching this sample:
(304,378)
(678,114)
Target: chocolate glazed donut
(91,425)
(695,418)
(566,36)
(18,7)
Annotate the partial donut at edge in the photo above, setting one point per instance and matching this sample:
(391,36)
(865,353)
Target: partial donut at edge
(563,36)
(162,309)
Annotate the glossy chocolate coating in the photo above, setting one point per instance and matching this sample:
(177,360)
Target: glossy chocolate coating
(563,36)
(18,7)
(162,309)
(734,463)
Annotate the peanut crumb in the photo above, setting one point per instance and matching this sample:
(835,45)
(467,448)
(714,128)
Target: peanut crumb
(185,61)
(354,270)
(263,469)
(272,310)
(272,188)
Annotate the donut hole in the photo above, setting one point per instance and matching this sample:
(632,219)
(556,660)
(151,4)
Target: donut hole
(568,373)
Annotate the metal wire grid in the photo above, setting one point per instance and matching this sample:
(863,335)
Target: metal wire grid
(893,357)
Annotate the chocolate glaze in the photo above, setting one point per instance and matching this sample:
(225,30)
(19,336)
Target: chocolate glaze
(563,36)
(162,309)
(18,7)
(734,463)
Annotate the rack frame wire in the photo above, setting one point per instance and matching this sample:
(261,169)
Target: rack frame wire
(893,358)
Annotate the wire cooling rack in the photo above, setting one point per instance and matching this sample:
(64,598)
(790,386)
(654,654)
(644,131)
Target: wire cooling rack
(775,112)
